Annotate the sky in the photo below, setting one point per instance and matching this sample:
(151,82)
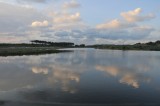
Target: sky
(80,21)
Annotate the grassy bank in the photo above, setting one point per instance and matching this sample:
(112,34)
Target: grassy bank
(150,46)
(128,47)
(14,51)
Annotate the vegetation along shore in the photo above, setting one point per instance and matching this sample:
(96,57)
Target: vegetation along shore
(34,48)
(150,46)
(37,47)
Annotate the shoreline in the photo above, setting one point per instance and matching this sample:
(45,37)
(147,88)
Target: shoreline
(128,47)
(20,51)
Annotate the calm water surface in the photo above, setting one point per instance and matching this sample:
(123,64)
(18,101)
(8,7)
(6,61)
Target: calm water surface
(85,76)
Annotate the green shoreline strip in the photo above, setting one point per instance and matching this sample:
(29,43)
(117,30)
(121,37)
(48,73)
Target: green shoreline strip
(20,51)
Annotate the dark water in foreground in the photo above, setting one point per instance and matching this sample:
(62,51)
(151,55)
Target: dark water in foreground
(83,77)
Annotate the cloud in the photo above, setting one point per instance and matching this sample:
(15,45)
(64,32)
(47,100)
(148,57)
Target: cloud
(143,30)
(59,24)
(38,1)
(131,19)
(40,24)
(67,18)
(13,18)
(134,16)
(29,1)
(8,39)
(67,21)
(22,23)
(15,22)
(25,2)
(91,35)
(115,24)
(71,4)
(129,33)
(154,35)
(128,28)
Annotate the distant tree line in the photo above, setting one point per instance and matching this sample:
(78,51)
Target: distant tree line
(58,44)
(81,45)
(149,43)
(138,46)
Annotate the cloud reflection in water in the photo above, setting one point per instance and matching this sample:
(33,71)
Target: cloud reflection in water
(126,75)
(79,76)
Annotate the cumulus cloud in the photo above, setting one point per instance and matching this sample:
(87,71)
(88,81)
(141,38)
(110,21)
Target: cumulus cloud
(62,23)
(67,21)
(134,16)
(71,4)
(40,24)
(114,24)
(131,19)
(128,28)
(67,18)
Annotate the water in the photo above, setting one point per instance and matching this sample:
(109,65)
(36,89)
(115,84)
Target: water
(83,77)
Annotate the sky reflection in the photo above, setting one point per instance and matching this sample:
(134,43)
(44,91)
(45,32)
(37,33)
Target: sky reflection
(89,74)
(131,77)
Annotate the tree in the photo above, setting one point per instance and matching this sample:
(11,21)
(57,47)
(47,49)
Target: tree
(59,44)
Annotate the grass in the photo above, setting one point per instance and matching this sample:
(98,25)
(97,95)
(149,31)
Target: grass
(129,47)
(14,51)
(37,49)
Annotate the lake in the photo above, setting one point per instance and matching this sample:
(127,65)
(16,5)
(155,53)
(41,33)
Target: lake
(84,77)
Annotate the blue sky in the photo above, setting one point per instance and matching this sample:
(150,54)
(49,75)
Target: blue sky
(108,9)
(80,21)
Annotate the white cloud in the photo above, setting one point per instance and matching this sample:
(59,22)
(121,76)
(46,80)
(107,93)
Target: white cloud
(128,29)
(71,4)
(131,19)
(67,21)
(67,18)
(134,16)
(69,26)
(22,23)
(114,24)
(40,24)
(64,24)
